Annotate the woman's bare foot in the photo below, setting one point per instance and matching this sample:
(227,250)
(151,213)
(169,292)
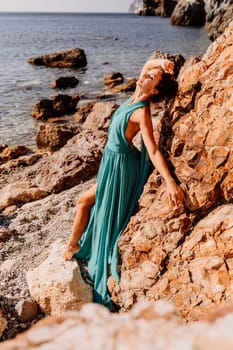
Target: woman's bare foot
(70,250)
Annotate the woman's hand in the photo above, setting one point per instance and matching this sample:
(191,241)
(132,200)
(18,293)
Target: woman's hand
(175,194)
(168,66)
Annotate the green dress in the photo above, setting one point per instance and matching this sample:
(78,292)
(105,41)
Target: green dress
(122,174)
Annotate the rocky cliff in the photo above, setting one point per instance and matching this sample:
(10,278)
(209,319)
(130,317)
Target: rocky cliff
(216,14)
(136,6)
(185,255)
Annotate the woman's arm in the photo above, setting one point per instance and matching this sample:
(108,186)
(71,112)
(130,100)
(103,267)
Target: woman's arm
(165,64)
(175,193)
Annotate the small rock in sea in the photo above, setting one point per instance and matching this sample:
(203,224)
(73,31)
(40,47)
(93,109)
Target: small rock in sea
(65,82)
(113,79)
(71,58)
(105,62)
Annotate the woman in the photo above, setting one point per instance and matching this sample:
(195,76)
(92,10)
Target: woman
(122,174)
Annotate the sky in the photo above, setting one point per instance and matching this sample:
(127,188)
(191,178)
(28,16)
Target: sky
(65,5)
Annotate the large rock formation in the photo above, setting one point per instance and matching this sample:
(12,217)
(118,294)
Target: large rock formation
(162,8)
(189,13)
(171,253)
(218,16)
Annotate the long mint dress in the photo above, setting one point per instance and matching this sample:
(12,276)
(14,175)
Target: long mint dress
(122,174)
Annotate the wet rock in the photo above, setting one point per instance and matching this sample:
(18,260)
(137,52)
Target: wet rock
(71,58)
(51,137)
(113,79)
(19,193)
(65,82)
(130,85)
(189,13)
(77,161)
(55,106)
(63,289)
(99,118)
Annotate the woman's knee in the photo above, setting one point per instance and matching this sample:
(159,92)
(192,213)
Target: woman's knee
(86,199)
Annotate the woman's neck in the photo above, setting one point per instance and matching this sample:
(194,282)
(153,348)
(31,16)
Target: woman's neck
(139,96)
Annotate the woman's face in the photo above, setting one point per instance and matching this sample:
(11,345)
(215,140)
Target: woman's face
(149,81)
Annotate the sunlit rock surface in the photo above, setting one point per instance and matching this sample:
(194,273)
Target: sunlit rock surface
(158,258)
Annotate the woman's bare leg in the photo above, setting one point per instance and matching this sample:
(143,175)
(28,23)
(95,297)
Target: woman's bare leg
(84,204)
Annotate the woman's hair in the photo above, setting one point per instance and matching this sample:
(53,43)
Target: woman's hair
(167,87)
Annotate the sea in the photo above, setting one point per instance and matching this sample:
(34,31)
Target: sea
(125,41)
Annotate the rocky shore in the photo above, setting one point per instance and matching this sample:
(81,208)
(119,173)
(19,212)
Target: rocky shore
(183,256)
(214,14)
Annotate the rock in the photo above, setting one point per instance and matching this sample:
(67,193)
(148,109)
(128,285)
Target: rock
(8,266)
(10,210)
(65,82)
(189,13)
(55,106)
(218,17)
(82,112)
(162,8)
(130,85)
(113,79)
(3,323)
(31,231)
(198,139)
(99,118)
(22,161)
(14,324)
(136,6)
(71,58)
(63,289)
(13,152)
(51,137)
(19,193)
(198,277)
(5,234)
(77,161)
(26,309)
(205,148)
(148,326)
(2,147)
